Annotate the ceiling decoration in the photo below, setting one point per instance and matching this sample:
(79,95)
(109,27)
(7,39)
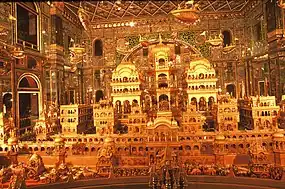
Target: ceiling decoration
(281,3)
(189,14)
(102,11)
(83,17)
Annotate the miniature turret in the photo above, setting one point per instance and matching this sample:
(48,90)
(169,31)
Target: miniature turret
(219,149)
(279,148)
(59,143)
(13,147)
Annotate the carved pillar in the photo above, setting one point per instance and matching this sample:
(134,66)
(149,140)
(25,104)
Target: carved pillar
(87,84)
(237,82)
(1,95)
(248,77)
(14,95)
(275,37)
(279,149)
(56,57)
(81,91)
(219,149)
(2,130)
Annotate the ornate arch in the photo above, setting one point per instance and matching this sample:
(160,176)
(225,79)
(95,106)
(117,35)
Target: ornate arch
(162,122)
(37,90)
(139,46)
(33,76)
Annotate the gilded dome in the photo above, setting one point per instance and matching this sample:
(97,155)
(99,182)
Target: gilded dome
(13,141)
(150,123)
(278,135)
(59,140)
(108,140)
(219,137)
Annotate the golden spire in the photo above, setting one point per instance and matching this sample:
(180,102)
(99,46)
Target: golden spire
(160,47)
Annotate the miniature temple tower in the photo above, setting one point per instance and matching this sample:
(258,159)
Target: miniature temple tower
(164,79)
(76,118)
(103,114)
(227,114)
(259,113)
(201,80)
(126,94)
(279,148)
(126,87)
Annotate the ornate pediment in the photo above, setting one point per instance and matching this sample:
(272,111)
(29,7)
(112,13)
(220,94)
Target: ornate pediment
(162,123)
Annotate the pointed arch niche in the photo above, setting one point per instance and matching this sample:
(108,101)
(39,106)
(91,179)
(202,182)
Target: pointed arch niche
(137,51)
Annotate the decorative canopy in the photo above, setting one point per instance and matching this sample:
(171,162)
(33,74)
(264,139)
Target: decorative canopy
(102,11)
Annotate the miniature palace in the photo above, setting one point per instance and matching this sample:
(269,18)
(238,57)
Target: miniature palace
(142,94)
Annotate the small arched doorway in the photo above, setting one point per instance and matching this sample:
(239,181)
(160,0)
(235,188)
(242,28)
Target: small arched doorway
(127,107)
(161,62)
(163,102)
(98,47)
(231,89)
(227,38)
(99,95)
(29,103)
(211,102)
(202,104)
(7,104)
(193,101)
(162,81)
(135,103)
(163,97)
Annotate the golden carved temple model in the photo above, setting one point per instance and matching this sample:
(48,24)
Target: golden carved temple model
(132,95)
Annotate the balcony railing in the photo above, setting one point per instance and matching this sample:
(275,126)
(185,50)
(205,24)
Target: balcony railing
(27,44)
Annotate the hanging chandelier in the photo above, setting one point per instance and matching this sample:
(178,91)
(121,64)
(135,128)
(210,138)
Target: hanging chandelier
(187,15)
(281,4)
(167,172)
